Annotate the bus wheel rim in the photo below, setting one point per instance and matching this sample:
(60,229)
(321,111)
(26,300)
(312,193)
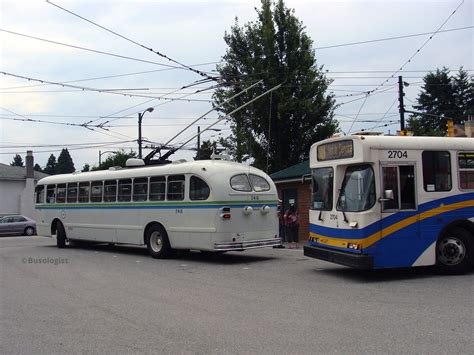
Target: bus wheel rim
(451,251)
(156,242)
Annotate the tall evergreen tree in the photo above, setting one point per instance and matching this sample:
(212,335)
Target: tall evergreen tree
(37,167)
(206,150)
(17,161)
(50,167)
(277,130)
(442,97)
(65,163)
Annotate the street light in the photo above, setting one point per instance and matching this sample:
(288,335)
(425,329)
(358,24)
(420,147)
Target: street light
(140,116)
(199,139)
(102,153)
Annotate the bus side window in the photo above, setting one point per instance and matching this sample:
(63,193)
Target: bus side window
(96,191)
(51,194)
(198,189)
(175,188)
(39,192)
(157,188)
(140,189)
(72,192)
(61,193)
(125,190)
(110,191)
(84,188)
(466,171)
(436,171)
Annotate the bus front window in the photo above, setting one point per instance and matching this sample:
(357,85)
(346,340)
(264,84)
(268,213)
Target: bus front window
(322,189)
(358,189)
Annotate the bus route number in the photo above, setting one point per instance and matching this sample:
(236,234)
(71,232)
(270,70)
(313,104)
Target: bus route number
(397,154)
(179,210)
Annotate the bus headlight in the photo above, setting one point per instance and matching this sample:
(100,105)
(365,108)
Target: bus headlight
(248,210)
(265,209)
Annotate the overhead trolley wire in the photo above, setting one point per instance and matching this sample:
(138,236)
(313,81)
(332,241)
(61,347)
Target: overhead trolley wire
(199,72)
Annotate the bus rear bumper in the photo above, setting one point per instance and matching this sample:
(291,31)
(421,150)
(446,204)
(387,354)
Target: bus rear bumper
(357,261)
(244,245)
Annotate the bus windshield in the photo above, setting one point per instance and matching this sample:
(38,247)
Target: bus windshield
(322,189)
(358,189)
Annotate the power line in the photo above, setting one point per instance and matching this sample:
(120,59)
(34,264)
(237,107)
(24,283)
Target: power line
(134,42)
(393,38)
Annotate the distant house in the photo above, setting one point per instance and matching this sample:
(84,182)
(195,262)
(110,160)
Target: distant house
(17,187)
(294,185)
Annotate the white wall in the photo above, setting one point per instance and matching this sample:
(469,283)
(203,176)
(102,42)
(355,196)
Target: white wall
(10,192)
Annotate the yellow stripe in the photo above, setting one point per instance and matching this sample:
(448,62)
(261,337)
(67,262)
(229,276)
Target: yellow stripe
(366,242)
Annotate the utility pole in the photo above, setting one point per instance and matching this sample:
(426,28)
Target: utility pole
(140,117)
(199,143)
(401,107)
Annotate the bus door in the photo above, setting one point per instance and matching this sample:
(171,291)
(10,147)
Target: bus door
(400,216)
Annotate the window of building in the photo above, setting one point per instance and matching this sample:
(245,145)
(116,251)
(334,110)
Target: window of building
(110,191)
(96,191)
(140,189)
(240,182)
(198,189)
(175,188)
(84,188)
(259,184)
(39,194)
(61,193)
(157,188)
(466,170)
(436,171)
(72,192)
(125,190)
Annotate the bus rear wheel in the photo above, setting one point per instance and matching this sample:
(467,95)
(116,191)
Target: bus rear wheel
(454,252)
(158,243)
(60,236)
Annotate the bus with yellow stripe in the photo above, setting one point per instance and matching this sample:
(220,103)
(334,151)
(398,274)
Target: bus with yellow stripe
(391,202)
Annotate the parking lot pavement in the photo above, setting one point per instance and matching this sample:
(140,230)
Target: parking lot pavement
(118,299)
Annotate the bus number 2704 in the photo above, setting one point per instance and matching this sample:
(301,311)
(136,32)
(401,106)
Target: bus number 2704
(397,154)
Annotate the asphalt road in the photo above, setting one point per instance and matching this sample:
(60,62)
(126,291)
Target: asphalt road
(106,299)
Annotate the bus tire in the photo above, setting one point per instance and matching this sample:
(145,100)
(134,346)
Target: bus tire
(158,243)
(60,236)
(454,252)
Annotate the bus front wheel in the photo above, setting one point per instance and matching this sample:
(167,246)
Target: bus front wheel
(158,243)
(454,252)
(60,236)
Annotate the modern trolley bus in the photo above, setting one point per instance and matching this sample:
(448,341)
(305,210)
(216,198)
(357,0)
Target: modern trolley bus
(390,202)
(208,205)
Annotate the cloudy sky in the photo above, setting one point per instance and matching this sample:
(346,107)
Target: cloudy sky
(191,32)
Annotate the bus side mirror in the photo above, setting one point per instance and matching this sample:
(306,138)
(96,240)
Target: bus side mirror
(388,195)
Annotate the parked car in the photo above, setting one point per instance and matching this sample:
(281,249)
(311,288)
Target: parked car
(17,224)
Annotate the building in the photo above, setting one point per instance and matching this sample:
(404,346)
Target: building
(294,186)
(17,187)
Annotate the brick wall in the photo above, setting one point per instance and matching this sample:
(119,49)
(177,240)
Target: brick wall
(303,204)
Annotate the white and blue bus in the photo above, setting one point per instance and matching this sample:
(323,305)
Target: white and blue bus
(209,205)
(390,202)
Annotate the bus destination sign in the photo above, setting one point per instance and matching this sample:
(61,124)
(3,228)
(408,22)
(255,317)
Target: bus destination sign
(336,150)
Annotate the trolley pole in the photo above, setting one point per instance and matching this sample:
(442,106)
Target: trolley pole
(401,106)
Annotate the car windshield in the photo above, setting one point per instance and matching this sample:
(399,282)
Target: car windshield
(358,189)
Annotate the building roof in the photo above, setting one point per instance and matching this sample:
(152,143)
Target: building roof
(8,172)
(293,172)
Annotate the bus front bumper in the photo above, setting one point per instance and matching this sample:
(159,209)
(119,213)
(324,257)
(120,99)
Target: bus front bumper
(244,245)
(357,261)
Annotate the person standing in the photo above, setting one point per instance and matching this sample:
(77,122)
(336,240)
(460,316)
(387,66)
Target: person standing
(291,219)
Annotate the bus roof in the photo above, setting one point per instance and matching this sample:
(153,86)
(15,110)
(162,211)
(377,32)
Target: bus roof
(211,167)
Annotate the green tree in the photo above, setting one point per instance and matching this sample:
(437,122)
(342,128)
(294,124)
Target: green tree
(37,167)
(65,164)
(277,130)
(86,168)
(442,97)
(17,161)
(206,150)
(50,167)
(118,158)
